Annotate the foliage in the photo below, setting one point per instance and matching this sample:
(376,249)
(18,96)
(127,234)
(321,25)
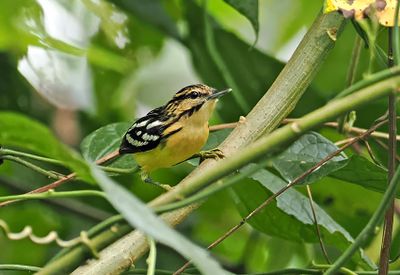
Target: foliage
(78,73)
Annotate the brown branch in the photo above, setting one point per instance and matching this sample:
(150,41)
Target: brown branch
(354,130)
(223,126)
(321,242)
(65,179)
(389,216)
(371,153)
(294,182)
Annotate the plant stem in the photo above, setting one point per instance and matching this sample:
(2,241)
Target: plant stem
(9,152)
(369,229)
(82,209)
(53,194)
(321,241)
(67,178)
(32,166)
(342,270)
(388,224)
(151,260)
(120,170)
(223,126)
(357,130)
(376,77)
(396,46)
(18,267)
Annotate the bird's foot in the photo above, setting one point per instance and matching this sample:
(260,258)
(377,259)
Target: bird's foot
(210,154)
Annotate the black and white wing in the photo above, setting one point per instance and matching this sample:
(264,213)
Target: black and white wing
(145,134)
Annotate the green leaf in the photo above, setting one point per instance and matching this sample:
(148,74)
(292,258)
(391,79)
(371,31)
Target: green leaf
(303,154)
(249,9)
(361,171)
(106,140)
(142,218)
(152,12)
(20,131)
(345,203)
(290,217)
(252,70)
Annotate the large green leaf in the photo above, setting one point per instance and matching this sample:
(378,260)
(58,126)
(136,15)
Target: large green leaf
(141,217)
(290,217)
(304,153)
(345,202)
(105,140)
(252,70)
(249,9)
(361,171)
(311,148)
(20,131)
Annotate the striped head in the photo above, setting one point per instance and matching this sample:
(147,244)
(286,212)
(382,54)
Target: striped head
(191,98)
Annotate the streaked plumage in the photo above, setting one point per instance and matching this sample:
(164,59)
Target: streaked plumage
(174,132)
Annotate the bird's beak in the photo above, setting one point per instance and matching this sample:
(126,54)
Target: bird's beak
(217,94)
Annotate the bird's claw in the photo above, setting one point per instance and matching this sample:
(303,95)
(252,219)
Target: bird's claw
(211,154)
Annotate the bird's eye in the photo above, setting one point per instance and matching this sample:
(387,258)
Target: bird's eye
(194,95)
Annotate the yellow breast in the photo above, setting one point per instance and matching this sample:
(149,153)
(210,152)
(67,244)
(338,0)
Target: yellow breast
(181,145)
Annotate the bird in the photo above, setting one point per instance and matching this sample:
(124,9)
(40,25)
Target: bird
(174,132)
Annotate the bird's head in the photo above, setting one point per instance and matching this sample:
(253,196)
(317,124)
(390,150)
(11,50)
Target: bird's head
(195,97)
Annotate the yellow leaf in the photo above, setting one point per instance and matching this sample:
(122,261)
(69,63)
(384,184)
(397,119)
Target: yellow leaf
(386,16)
(358,9)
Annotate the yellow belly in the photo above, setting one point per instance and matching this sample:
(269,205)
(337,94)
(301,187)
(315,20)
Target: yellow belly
(179,147)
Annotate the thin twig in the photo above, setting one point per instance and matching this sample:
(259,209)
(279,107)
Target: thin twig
(9,152)
(52,194)
(223,126)
(65,179)
(332,124)
(69,205)
(294,182)
(321,242)
(388,224)
(18,267)
(343,141)
(34,167)
(354,130)
(371,154)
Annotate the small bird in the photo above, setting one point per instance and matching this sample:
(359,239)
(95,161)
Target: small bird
(174,132)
